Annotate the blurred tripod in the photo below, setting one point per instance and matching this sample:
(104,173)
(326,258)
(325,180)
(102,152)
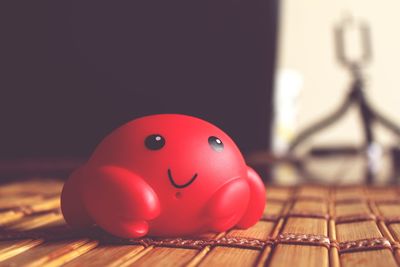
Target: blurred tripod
(356,96)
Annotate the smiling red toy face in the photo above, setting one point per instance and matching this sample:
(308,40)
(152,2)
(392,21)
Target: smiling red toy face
(164,175)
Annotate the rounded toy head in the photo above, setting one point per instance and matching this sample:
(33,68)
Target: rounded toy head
(173,152)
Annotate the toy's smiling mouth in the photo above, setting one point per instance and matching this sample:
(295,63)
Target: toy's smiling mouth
(180,185)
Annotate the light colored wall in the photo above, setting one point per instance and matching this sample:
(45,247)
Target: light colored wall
(306,45)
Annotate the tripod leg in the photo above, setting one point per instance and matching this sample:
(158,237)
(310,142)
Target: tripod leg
(307,132)
(367,118)
(390,125)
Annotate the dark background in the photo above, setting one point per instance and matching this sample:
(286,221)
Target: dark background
(71,72)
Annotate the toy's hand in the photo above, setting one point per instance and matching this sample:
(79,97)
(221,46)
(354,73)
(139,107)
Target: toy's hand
(257,200)
(228,204)
(73,209)
(120,201)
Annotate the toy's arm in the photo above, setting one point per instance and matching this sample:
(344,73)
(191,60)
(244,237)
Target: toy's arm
(257,200)
(228,204)
(119,201)
(73,209)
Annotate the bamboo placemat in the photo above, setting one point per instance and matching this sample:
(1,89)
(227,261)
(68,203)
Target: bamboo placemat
(302,226)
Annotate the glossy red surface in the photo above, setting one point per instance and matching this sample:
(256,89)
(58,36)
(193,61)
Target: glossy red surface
(164,175)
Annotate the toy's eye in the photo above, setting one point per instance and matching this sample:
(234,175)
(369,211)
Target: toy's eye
(154,142)
(216,143)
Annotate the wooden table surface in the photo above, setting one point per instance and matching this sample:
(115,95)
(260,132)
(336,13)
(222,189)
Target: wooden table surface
(302,226)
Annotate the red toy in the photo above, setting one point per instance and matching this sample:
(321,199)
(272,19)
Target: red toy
(164,175)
